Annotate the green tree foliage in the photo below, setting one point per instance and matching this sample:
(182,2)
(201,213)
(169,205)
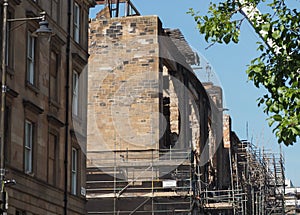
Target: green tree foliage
(277,68)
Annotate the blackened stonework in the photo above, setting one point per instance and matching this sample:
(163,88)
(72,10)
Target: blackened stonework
(125,56)
(155,110)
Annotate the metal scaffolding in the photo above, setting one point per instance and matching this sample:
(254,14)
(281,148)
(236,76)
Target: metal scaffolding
(141,181)
(118,8)
(260,176)
(171,182)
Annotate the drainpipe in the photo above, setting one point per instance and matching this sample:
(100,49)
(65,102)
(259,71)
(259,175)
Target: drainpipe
(67,91)
(3,96)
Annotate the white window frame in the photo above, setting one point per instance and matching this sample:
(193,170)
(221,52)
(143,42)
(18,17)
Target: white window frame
(28,146)
(74,171)
(30,58)
(75,104)
(76,21)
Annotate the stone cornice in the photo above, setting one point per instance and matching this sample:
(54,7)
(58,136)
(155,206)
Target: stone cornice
(32,107)
(54,121)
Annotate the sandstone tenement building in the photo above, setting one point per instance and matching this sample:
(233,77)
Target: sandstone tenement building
(45,122)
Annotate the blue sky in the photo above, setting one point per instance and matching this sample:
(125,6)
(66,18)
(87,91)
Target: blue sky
(229,63)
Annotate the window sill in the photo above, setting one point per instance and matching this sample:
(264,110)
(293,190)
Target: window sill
(54,103)
(31,174)
(32,88)
(77,196)
(54,107)
(79,46)
(76,117)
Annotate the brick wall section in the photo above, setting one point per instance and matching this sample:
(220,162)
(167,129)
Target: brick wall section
(123,100)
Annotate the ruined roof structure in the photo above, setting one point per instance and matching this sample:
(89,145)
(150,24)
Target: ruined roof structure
(178,39)
(155,133)
(144,115)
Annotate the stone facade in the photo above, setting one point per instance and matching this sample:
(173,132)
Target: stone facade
(42,133)
(146,106)
(123,83)
(137,77)
(134,66)
(158,140)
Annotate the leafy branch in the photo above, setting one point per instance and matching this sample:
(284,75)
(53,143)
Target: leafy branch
(276,68)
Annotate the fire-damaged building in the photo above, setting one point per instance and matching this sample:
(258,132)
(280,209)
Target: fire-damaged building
(157,140)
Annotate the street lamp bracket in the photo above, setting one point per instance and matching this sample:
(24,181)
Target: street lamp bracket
(43,29)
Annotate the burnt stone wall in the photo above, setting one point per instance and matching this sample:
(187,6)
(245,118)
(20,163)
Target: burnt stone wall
(143,96)
(123,100)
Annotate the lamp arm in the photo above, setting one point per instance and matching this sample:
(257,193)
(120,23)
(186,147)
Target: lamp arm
(42,18)
(25,19)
